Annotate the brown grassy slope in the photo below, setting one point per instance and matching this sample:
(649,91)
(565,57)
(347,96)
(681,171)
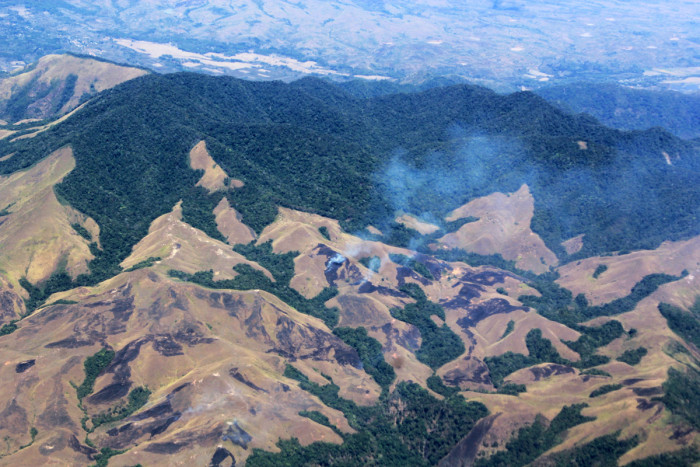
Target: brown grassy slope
(214,178)
(230,224)
(182,247)
(503,227)
(624,271)
(93,76)
(37,236)
(210,358)
(365,298)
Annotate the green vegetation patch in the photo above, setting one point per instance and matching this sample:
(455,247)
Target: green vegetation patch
(596,372)
(684,323)
(593,338)
(511,389)
(323,230)
(93,366)
(82,231)
(533,440)
(605,389)
(599,270)
(685,457)
(439,344)
(146,263)
(137,398)
(371,262)
(407,427)
(8,328)
(408,262)
(682,395)
(540,350)
(602,451)
(557,303)
(509,328)
(632,356)
(370,352)
(435,384)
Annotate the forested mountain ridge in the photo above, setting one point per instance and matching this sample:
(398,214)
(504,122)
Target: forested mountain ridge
(278,138)
(359,285)
(629,108)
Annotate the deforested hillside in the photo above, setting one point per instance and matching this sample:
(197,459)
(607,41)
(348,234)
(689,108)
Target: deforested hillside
(308,145)
(57,84)
(213,271)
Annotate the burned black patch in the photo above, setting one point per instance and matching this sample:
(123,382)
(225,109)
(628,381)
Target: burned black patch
(644,404)
(465,452)
(464,297)
(178,389)
(110,393)
(680,432)
(191,335)
(237,435)
(75,445)
(553,369)
(166,346)
(165,448)
(338,267)
(159,410)
(435,267)
(368,287)
(220,455)
(165,425)
(24,366)
(307,342)
(486,277)
(477,372)
(408,339)
(235,374)
(402,272)
(646,392)
(120,430)
(483,310)
(69,343)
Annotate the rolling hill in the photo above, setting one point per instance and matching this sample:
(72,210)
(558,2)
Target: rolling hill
(215,271)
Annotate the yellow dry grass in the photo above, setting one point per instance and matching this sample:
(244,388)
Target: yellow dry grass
(222,341)
(184,248)
(230,224)
(214,178)
(624,271)
(503,227)
(93,76)
(37,236)
(424,228)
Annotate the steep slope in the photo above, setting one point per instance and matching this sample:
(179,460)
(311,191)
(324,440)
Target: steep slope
(57,84)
